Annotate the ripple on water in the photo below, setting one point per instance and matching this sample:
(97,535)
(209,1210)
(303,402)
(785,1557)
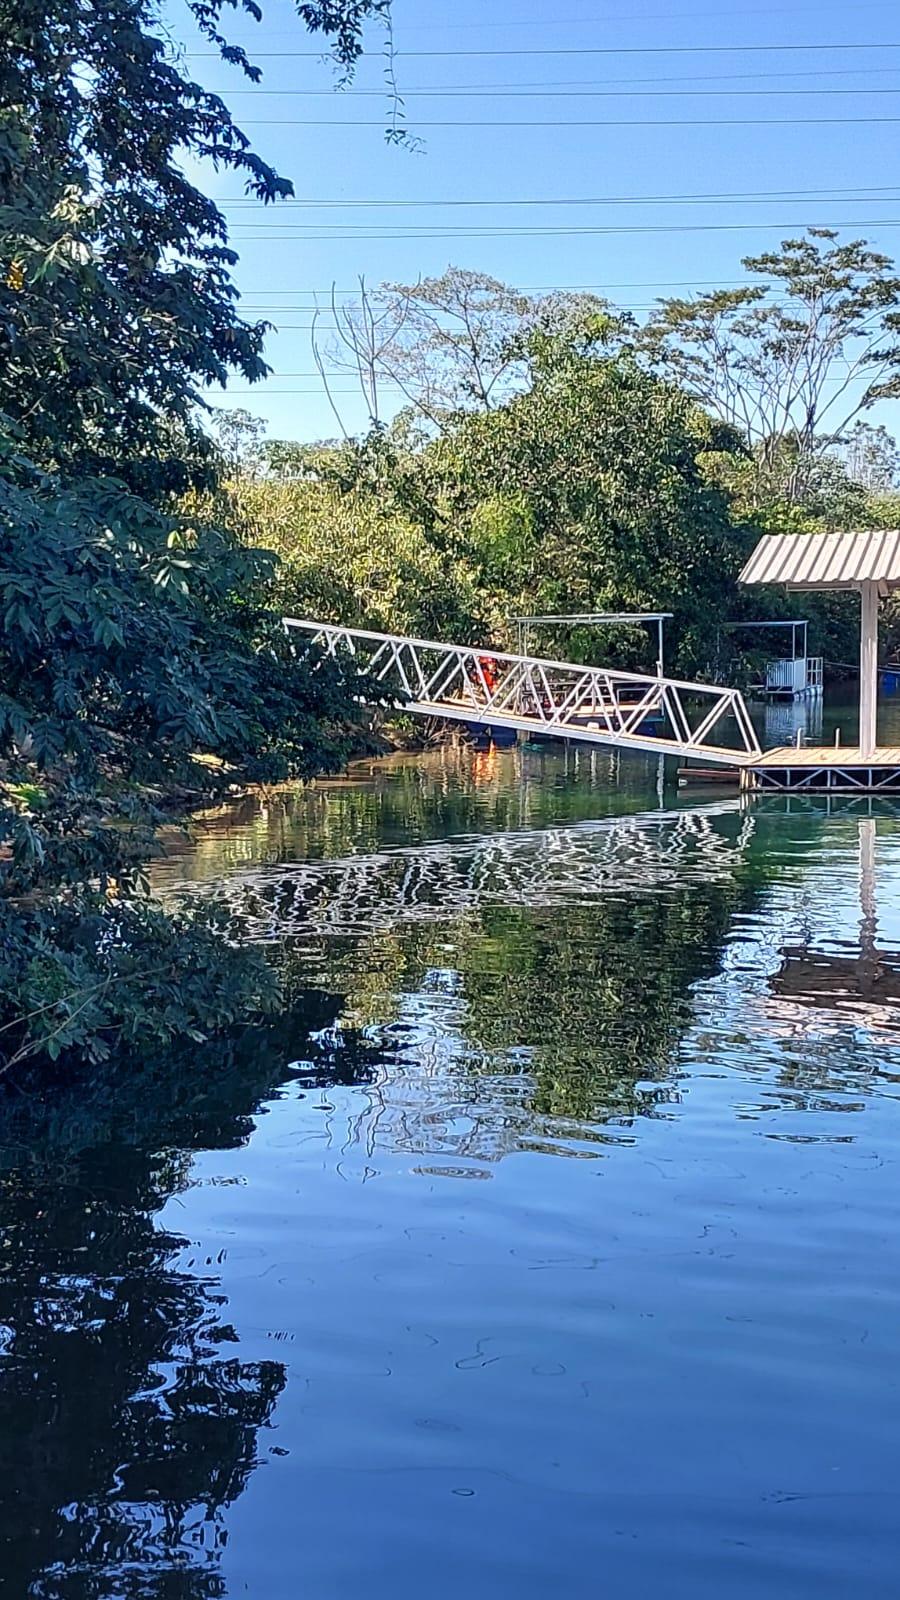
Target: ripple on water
(549,1242)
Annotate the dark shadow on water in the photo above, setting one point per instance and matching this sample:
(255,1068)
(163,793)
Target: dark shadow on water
(533,989)
(128,1420)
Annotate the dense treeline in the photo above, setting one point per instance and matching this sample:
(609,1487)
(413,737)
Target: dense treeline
(587,492)
(552,456)
(140,652)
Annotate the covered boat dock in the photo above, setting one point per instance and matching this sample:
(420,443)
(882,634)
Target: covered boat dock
(867,563)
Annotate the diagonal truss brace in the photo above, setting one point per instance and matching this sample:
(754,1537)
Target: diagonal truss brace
(534,693)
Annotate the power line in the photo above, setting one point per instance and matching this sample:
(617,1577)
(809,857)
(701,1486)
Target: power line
(548,288)
(565,122)
(393,382)
(614,17)
(260,389)
(507,92)
(326,326)
(595,83)
(390,381)
(548,232)
(643,16)
(567,50)
(323,314)
(745,196)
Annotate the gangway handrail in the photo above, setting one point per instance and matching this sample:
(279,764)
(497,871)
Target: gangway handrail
(526,695)
(489,653)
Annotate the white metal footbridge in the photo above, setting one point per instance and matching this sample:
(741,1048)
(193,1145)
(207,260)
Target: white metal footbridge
(534,695)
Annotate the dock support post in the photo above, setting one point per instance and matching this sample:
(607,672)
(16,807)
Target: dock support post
(868,668)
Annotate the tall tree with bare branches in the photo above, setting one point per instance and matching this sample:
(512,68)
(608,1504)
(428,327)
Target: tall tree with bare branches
(461,342)
(791,361)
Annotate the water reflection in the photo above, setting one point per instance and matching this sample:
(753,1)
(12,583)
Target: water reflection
(366,893)
(407,801)
(448,952)
(552,1233)
(537,985)
(129,1420)
(782,720)
(855,982)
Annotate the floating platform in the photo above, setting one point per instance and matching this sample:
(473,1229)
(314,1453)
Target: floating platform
(828,769)
(779,694)
(704,776)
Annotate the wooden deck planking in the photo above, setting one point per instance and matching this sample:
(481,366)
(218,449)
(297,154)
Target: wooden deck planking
(842,755)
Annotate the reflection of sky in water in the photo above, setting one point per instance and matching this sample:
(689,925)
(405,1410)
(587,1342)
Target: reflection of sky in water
(560,1255)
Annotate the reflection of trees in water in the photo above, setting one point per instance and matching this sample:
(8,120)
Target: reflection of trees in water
(444,792)
(128,1420)
(517,1018)
(574,949)
(597,996)
(526,976)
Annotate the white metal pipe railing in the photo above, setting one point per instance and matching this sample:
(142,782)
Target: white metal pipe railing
(529,690)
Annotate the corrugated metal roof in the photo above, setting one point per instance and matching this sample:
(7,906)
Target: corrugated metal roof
(827,560)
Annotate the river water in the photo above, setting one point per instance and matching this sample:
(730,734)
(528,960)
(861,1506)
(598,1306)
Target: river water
(548,1243)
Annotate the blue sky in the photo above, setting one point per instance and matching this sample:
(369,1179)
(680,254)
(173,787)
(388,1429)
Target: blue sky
(774,63)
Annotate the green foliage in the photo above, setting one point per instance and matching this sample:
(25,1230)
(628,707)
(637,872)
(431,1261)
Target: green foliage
(819,495)
(591,490)
(347,556)
(870,457)
(590,493)
(139,652)
(580,480)
(132,645)
(132,640)
(793,358)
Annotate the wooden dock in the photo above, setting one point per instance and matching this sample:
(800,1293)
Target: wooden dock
(824,769)
(536,696)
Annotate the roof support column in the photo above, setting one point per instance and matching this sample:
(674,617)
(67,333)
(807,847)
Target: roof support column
(868,668)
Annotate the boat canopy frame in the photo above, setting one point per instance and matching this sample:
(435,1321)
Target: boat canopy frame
(598,619)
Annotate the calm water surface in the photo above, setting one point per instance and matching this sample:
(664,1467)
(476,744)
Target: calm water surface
(548,1245)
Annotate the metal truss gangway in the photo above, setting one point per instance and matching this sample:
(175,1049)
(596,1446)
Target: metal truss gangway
(537,696)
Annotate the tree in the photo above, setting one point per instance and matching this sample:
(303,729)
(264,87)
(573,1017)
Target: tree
(590,492)
(363,337)
(351,553)
(870,457)
(461,342)
(240,441)
(797,357)
(133,640)
(116,300)
(456,348)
